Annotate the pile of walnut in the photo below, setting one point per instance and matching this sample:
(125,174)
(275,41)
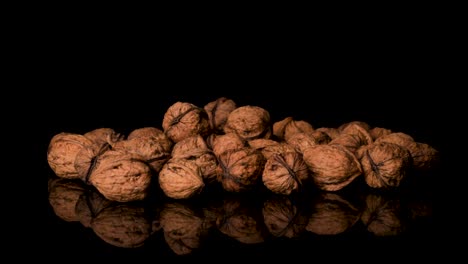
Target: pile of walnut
(239,147)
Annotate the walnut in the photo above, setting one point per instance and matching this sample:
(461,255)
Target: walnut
(121,176)
(183,120)
(384,164)
(182,227)
(332,215)
(301,141)
(241,221)
(150,143)
(398,138)
(249,122)
(240,170)
(377,132)
(218,112)
(353,136)
(223,143)
(89,205)
(321,137)
(333,167)
(270,147)
(62,151)
(124,225)
(63,196)
(181,178)
(101,136)
(283,217)
(288,127)
(383,215)
(195,148)
(285,173)
(330,131)
(361,124)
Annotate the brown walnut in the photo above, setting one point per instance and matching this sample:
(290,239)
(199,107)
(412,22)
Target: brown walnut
(218,112)
(249,122)
(183,120)
(181,178)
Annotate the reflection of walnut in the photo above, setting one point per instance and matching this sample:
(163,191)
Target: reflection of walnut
(283,217)
(383,215)
(63,197)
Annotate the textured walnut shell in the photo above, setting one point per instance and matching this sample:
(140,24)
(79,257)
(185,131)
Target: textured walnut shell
(424,156)
(333,167)
(377,132)
(361,124)
(240,170)
(89,205)
(383,215)
(223,143)
(285,173)
(196,149)
(288,127)
(270,147)
(330,131)
(241,221)
(249,122)
(102,136)
(181,178)
(332,215)
(384,164)
(182,228)
(283,218)
(85,160)
(321,137)
(218,112)
(155,151)
(63,197)
(398,138)
(121,176)
(123,225)
(62,151)
(301,141)
(183,120)
(353,136)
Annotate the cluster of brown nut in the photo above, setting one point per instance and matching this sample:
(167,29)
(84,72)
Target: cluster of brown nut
(240,148)
(246,219)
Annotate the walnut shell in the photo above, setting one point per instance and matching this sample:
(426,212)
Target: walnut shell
(195,148)
(333,167)
(240,170)
(301,141)
(227,142)
(383,215)
(181,178)
(150,144)
(121,176)
(321,137)
(353,136)
(102,136)
(377,132)
(85,160)
(183,120)
(330,131)
(285,173)
(182,228)
(284,218)
(62,151)
(424,156)
(218,112)
(288,127)
(270,147)
(398,138)
(384,164)
(249,122)
(361,124)
(63,197)
(332,215)
(124,225)
(89,205)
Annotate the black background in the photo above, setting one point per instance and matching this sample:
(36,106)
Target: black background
(384,81)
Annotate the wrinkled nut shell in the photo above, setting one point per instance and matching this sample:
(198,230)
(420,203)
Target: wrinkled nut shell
(382,216)
(385,165)
(241,169)
(102,136)
(183,120)
(181,178)
(62,151)
(249,122)
(63,197)
(361,124)
(424,156)
(377,132)
(121,176)
(333,167)
(398,138)
(218,112)
(330,131)
(227,142)
(287,127)
(285,173)
(283,218)
(301,141)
